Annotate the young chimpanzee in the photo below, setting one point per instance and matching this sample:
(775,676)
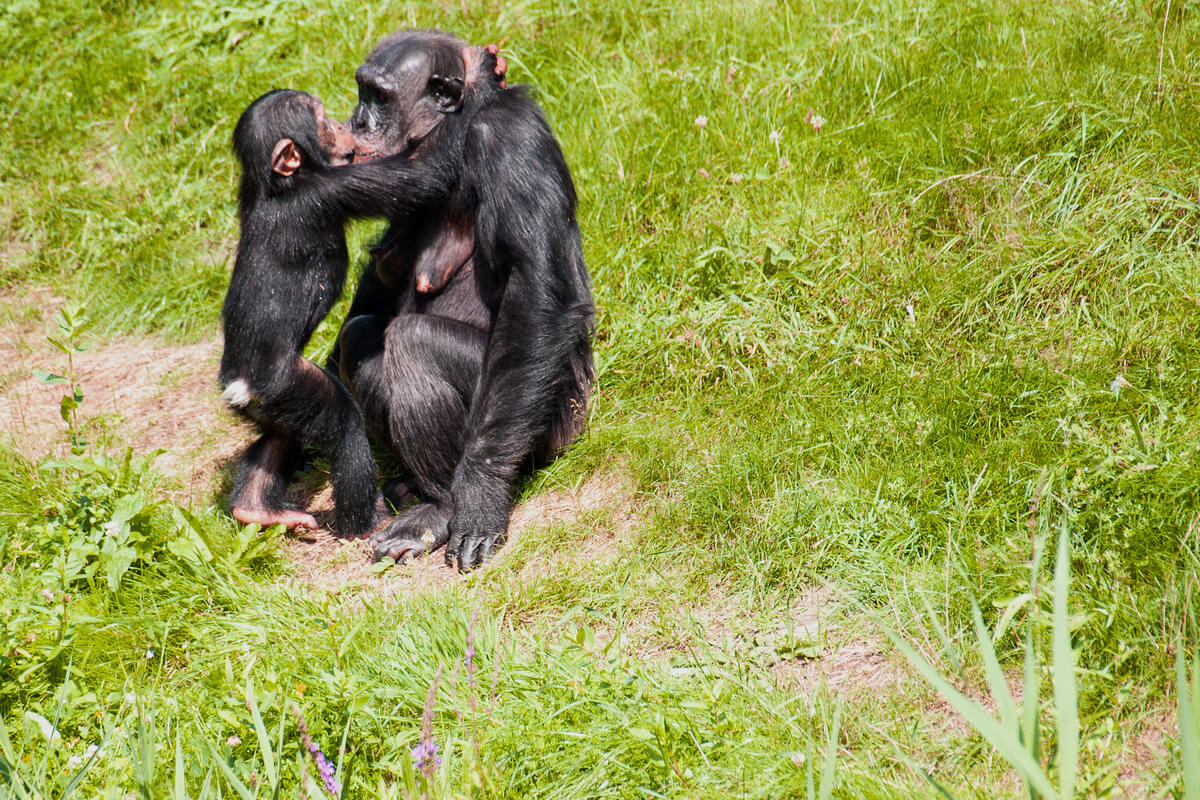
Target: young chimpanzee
(297,191)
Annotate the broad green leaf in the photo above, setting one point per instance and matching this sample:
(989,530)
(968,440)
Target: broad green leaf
(48,378)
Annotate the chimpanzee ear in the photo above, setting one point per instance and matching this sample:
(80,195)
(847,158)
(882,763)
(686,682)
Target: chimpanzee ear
(285,158)
(447,93)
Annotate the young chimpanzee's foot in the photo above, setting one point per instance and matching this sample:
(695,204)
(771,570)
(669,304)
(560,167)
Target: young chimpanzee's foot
(262,476)
(287,517)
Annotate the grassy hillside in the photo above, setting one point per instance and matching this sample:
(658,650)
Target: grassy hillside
(890,296)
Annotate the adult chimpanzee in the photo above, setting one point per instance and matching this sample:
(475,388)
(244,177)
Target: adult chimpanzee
(295,196)
(468,344)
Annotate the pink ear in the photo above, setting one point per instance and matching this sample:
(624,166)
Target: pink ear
(285,158)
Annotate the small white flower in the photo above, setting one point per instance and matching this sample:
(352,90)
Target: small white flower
(774,137)
(77,761)
(149,653)
(48,595)
(1118,383)
(701,121)
(233,741)
(112,528)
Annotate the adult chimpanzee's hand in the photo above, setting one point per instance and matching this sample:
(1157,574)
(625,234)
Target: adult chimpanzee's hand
(478,524)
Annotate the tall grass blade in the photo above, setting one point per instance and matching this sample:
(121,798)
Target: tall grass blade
(994,673)
(1189,747)
(1007,742)
(143,767)
(1066,700)
(78,776)
(264,740)
(8,764)
(947,646)
(180,772)
(1031,732)
(242,790)
(829,768)
(279,746)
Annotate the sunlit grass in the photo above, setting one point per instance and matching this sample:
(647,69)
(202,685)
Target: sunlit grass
(881,354)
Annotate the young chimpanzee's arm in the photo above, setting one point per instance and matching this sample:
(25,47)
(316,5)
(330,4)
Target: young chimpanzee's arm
(395,186)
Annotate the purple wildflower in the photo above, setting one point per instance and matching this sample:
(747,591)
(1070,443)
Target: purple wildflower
(324,765)
(425,757)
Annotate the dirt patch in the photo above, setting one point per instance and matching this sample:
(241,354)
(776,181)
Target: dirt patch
(342,566)
(609,493)
(149,396)
(850,670)
(810,651)
(1145,758)
(136,393)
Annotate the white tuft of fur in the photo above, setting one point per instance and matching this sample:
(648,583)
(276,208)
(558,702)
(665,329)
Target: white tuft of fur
(237,394)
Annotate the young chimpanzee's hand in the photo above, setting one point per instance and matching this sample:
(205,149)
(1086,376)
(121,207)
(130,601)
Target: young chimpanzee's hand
(501,63)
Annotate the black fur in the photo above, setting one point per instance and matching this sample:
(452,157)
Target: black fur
(290,268)
(486,374)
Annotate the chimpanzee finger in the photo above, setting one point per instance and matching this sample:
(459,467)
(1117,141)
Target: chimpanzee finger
(475,551)
(415,531)
(501,67)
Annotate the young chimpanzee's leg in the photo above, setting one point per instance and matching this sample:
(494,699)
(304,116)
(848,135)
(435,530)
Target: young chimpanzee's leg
(415,400)
(311,406)
(262,475)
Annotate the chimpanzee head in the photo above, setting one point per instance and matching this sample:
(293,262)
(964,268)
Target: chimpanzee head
(408,84)
(284,132)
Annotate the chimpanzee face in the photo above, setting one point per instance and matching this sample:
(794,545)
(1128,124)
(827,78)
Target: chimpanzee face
(332,145)
(336,140)
(408,83)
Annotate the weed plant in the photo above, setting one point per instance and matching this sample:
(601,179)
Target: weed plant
(888,292)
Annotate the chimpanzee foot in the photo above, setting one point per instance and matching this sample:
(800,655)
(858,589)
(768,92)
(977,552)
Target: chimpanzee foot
(414,532)
(288,518)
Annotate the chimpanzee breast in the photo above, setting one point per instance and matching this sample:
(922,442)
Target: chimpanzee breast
(463,298)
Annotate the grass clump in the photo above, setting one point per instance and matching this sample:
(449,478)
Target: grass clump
(887,294)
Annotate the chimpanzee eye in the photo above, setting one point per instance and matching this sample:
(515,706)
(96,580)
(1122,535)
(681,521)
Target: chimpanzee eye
(369,95)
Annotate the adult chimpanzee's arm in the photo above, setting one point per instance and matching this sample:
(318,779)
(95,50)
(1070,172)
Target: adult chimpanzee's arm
(529,244)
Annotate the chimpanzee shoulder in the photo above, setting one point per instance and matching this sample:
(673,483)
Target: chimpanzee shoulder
(516,171)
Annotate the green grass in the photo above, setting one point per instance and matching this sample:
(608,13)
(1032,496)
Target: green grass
(884,357)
